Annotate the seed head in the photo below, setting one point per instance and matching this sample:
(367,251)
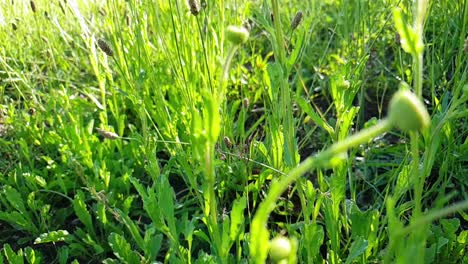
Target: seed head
(107,134)
(105,47)
(237,35)
(227,141)
(33,6)
(194,7)
(407,112)
(296,20)
(246,102)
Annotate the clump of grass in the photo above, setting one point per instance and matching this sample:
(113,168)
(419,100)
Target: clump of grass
(234,134)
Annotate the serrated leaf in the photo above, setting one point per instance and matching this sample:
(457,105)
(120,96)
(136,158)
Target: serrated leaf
(313,237)
(122,249)
(358,247)
(31,256)
(166,202)
(53,236)
(11,256)
(307,108)
(19,220)
(450,227)
(14,198)
(82,212)
(237,217)
(153,244)
(132,227)
(410,41)
(101,213)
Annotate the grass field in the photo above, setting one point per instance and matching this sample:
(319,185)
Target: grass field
(151,131)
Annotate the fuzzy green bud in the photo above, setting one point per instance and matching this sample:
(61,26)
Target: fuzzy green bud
(407,112)
(280,248)
(237,35)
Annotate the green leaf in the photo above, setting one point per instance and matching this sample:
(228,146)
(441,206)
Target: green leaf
(275,74)
(410,41)
(122,249)
(237,217)
(211,118)
(19,220)
(307,108)
(259,238)
(101,213)
(313,239)
(82,212)
(358,247)
(53,236)
(63,253)
(11,256)
(14,198)
(450,227)
(297,51)
(153,244)
(166,198)
(31,256)
(132,227)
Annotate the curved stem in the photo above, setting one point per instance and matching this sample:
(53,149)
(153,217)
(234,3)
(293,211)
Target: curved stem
(323,159)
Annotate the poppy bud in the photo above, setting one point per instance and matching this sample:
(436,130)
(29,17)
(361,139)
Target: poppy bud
(237,35)
(407,112)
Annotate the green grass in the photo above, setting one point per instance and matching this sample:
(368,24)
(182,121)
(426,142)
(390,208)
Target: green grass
(175,145)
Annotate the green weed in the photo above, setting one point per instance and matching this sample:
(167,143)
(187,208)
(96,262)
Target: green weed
(233,131)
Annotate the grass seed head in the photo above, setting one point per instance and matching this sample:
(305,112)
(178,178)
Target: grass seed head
(227,141)
(297,20)
(33,6)
(246,102)
(237,35)
(407,112)
(194,7)
(105,47)
(107,134)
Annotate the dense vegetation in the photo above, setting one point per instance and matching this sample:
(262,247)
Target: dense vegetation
(178,131)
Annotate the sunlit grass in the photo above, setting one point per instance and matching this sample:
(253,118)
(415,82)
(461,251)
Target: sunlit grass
(143,131)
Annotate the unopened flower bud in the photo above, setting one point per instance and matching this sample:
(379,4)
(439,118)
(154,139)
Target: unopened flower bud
(407,112)
(280,248)
(237,35)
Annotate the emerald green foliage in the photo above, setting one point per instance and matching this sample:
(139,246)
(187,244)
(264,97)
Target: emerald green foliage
(146,132)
